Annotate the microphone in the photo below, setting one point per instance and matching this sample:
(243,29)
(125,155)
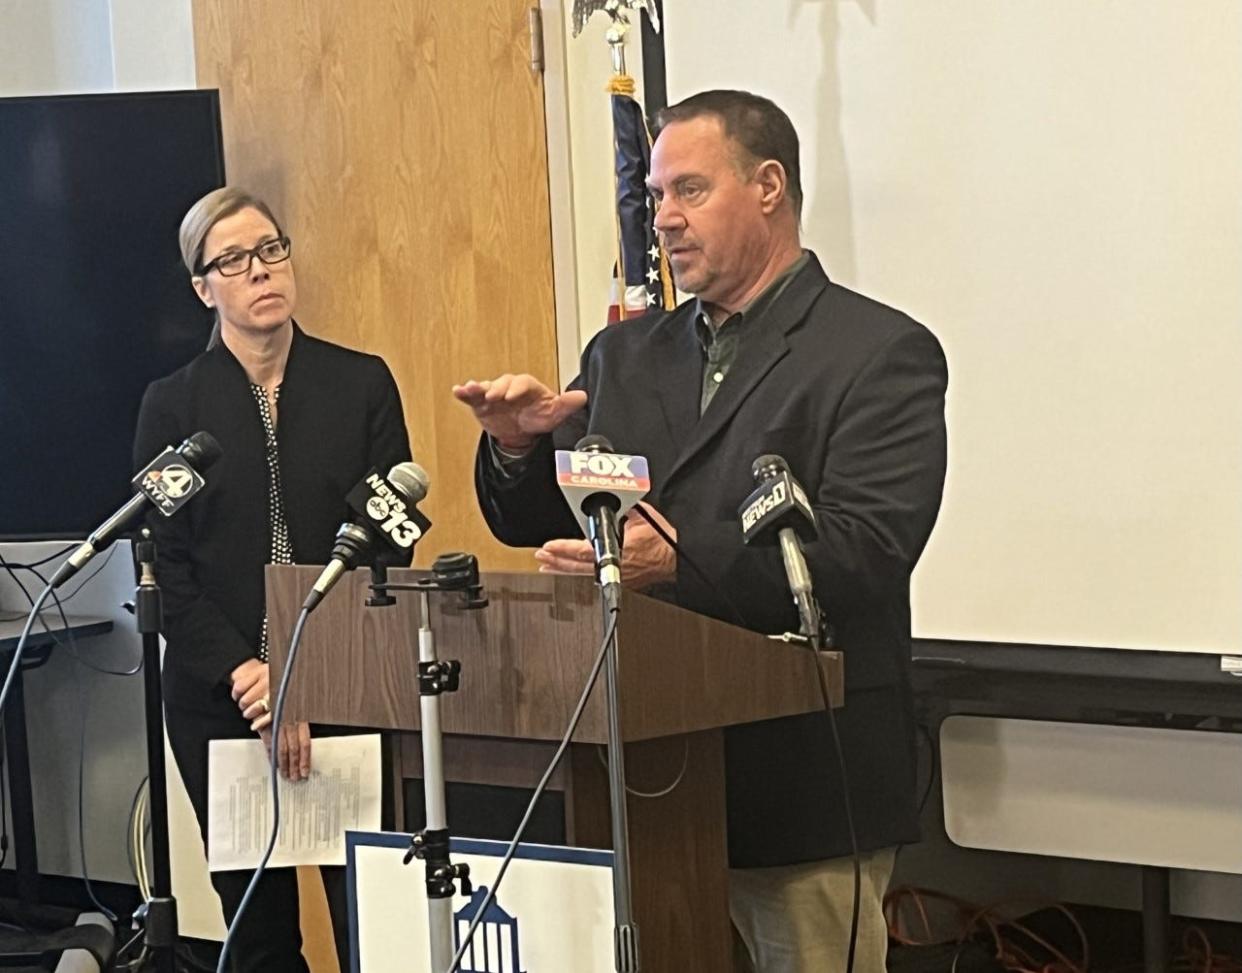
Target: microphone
(168,482)
(779,512)
(599,486)
(383,507)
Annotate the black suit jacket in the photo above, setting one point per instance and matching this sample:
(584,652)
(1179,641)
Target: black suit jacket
(851,394)
(339,416)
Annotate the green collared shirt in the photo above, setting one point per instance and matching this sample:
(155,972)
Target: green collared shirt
(720,343)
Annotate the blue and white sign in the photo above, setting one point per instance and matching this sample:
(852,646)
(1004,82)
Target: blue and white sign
(553,912)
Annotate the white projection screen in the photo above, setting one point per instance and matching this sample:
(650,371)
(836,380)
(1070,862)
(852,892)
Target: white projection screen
(1053,187)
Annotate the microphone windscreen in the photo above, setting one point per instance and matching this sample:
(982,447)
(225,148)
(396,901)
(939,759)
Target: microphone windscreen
(593,443)
(411,479)
(200,450)
(768,465)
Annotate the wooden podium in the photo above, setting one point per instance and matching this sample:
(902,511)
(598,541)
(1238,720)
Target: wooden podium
(525,660)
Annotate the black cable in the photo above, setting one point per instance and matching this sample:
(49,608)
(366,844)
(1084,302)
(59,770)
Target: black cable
(133,964)
(710,585)
(36,604)
(277,715)
(60,608)
(42,561)
(90,577)
(185,956)
(73,641)
(933,773)
(609,636)
(832,721)
(934,753)
(84,707)
(9,569)
(4,798)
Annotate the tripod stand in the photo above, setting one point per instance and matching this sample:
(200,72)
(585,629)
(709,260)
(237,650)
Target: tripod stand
(449,573)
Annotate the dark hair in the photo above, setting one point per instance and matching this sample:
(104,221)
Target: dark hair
(754,123)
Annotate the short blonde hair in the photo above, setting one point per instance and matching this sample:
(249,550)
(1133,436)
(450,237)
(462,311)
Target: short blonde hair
(206,213)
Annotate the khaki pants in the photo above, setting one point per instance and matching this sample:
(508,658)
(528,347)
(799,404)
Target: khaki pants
(796,919)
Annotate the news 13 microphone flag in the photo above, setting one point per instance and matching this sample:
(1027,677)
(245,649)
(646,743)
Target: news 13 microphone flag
(641,281)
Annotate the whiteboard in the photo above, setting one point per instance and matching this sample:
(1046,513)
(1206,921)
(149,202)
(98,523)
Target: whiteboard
(1052,186)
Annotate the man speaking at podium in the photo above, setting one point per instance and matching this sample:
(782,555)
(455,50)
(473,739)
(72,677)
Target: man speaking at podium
(769,357)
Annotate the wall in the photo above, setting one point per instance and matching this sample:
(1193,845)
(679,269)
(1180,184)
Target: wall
(151,51)
(62,46)
(1052,187)
(55,46)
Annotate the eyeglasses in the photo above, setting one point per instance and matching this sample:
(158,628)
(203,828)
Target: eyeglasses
(237,262)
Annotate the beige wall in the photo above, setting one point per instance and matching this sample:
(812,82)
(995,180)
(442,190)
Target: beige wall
(55,47)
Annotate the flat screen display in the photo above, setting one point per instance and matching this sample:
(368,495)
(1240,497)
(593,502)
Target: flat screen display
(94,301)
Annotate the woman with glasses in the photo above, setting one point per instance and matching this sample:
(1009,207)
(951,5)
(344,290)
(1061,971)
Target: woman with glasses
(300,422)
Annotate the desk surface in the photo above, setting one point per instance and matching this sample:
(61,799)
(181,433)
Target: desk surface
(81,626)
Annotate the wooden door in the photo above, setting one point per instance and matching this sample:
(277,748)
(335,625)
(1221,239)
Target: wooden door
(402,143)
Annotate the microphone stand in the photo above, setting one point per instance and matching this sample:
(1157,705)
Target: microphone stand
(602,532)
(625,929)
(160,919)
(451,572)
(818,636)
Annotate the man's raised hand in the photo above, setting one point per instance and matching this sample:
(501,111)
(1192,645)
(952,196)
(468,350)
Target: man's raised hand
(516,409)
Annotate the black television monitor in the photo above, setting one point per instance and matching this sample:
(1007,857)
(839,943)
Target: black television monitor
(94,301)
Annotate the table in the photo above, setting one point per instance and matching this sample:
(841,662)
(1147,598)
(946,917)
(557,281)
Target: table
(1174,690)
(37,651)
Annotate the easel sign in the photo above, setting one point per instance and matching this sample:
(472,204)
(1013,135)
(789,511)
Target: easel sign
(554,910)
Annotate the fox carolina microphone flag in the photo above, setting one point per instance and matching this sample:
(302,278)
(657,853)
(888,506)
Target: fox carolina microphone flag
(582,474)
(640,279)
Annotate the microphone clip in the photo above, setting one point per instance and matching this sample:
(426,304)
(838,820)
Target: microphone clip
(824,640)
(441,676)
(379,596)
(456,571)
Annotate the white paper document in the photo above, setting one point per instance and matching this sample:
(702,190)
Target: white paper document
(342,794)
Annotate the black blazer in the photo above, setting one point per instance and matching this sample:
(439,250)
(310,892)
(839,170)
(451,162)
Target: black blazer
(851,394)
(340,415)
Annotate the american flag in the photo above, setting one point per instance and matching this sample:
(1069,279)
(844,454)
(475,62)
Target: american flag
(640,279)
